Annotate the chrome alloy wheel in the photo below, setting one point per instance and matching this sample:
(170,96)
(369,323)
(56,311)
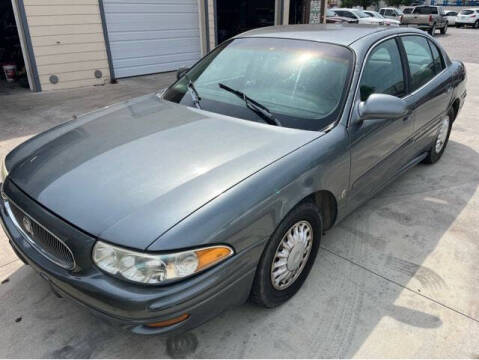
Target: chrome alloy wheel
(291,255)
(442,135)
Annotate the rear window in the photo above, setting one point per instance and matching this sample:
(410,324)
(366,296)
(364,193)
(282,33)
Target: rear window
(467,12)
(425,10)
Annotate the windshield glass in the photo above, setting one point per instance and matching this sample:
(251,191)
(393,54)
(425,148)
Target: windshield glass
(408,10)
(360,14)
(302,83)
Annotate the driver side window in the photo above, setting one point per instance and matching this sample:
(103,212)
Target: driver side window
(383,73)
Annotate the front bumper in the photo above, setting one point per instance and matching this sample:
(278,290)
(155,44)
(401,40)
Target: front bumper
(134,306)
(466,22)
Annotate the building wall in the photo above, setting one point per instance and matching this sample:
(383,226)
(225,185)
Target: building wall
(211,23)
(67,40)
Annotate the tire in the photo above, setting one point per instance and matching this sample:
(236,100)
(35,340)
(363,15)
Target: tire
(444,30)
(476,25)
(459,25)
(432,30)
(264,291)
(436,152)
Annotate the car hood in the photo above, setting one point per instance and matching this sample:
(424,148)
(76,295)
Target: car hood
(130,172)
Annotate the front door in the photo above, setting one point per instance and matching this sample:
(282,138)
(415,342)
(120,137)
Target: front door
(378,145)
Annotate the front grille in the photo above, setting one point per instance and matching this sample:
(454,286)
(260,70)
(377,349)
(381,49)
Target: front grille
(46,243)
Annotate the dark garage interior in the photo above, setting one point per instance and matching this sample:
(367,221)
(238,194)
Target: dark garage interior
(234,17)
(12,67)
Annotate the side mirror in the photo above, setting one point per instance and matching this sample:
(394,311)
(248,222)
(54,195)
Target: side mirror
(382,106)
(181,71)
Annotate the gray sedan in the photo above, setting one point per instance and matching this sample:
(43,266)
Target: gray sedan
(161,212)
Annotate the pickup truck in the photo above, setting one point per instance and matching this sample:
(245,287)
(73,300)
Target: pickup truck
(426,17)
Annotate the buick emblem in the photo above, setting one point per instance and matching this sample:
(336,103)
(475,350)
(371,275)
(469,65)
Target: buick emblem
(27,225)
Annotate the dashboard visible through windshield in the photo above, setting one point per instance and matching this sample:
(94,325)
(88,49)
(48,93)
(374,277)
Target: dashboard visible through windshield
(301,83)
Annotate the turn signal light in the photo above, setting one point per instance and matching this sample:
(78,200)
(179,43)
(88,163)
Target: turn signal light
(211,256)
(169,322)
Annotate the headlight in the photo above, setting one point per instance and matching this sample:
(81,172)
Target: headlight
(156,268)
(4,171)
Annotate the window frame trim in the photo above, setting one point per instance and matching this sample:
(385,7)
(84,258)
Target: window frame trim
(411,93)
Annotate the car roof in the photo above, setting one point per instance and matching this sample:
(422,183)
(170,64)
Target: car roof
(342,34)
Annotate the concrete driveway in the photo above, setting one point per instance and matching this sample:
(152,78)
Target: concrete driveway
(397,278)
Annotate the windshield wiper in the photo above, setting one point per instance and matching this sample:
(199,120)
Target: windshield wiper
(193,93)
(253,105)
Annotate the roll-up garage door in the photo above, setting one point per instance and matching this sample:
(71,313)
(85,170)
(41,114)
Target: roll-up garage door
(150,36)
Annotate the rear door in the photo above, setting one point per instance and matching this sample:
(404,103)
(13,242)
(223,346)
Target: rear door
(430,87)
(378,146)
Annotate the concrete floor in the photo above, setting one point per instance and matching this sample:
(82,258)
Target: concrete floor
(397,278)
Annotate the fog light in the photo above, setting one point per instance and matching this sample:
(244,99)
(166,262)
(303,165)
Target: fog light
(169,322)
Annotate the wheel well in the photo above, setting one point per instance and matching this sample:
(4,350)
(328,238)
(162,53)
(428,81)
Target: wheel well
(455,107)
(326,202)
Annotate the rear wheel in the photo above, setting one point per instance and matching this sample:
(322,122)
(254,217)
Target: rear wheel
(442,137)
(444,29)
(432,30)
(458,25)
(288,257)
(476,25)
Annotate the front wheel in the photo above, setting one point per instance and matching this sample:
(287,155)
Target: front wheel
(476,25)
(444,30)
(432,30)
(288,256)
(441,140)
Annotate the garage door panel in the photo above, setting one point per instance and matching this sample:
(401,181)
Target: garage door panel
(152,8)
(148,61)
(152,35)
(148,22)
(140,49)
(153,68)
(110,2)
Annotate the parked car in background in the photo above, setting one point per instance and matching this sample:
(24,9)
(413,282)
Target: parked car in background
(468,17)
(358,15)
(333,18)
(388,22)
(163,211)
(408,10)
(451,17)
(428,18)
(391,13)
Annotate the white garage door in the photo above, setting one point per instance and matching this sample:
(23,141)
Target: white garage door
(150,36)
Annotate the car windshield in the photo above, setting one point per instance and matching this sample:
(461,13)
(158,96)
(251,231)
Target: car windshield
(302,83)
(361,14)
(408,10)
(330,13)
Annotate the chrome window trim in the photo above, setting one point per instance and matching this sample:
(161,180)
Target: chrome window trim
(33,243)
(364,64)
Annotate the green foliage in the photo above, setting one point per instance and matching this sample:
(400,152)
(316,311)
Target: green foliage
(397,3)
(364,3)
